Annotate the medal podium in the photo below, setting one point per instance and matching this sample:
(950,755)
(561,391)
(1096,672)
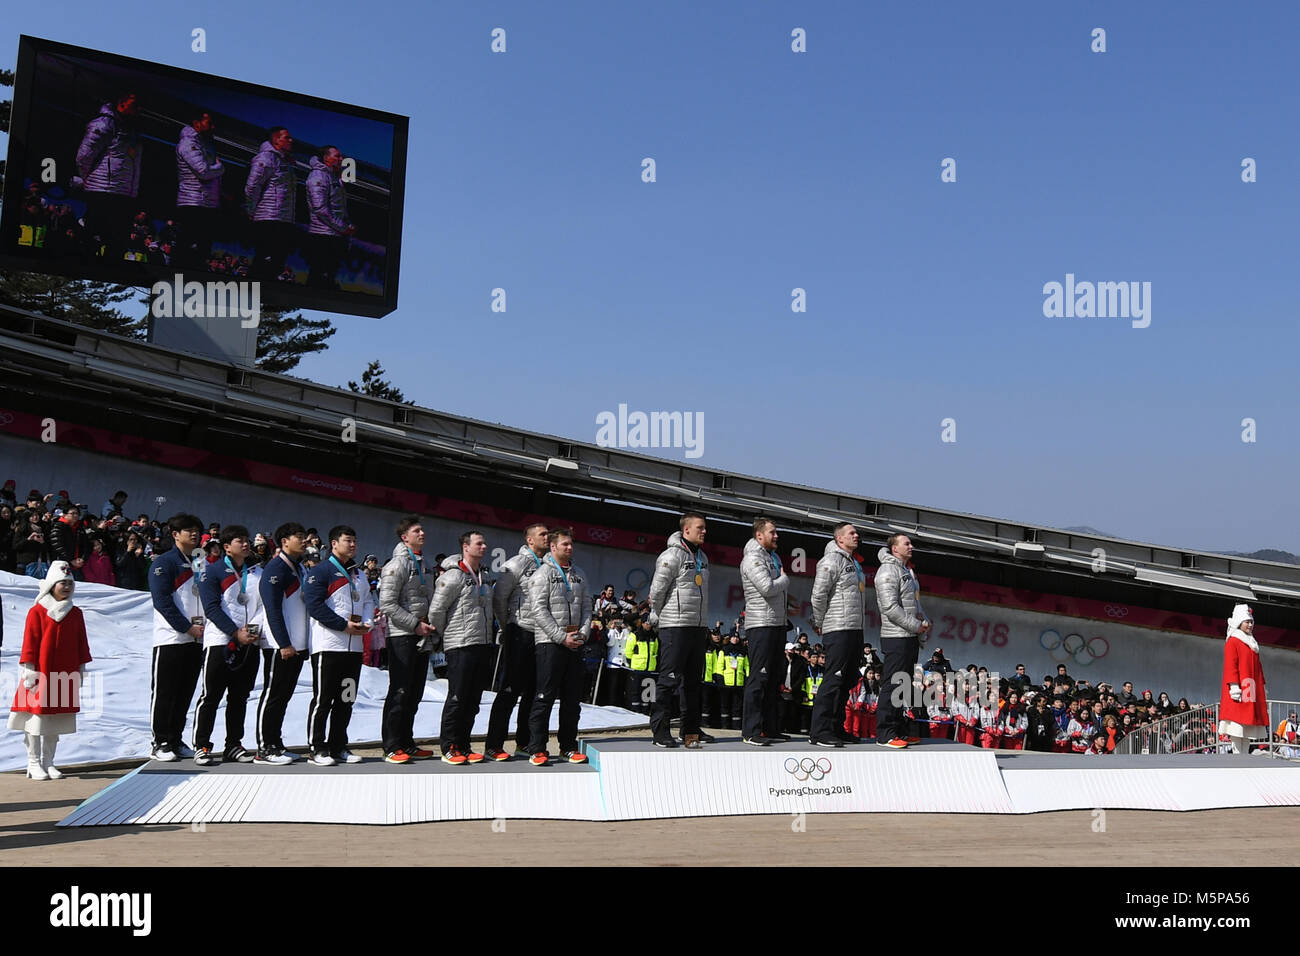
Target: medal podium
(629,779)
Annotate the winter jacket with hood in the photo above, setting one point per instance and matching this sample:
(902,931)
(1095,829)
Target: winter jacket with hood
(766,586)
(838,592)
(198,170)
(404,595)
(271,189)
(556,606)
(326,201)
(511,600)
(461,609)
(108,160)
(676,600)
(898,595)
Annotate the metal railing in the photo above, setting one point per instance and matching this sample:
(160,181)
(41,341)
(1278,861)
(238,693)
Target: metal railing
(1197,732)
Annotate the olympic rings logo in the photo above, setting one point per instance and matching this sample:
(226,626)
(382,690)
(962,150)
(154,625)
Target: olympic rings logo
(1073,647)
(807,768)
(6,418)
(1116,610)
(600,534)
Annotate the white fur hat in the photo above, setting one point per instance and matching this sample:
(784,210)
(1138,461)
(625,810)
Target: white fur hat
(1240,613)
(59,571)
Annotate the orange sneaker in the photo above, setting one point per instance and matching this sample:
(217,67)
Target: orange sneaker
(472,757)
(494,753)
(398,756)
(573,756)
(419,753)
(540,759)
(453,757)
(898,743)
(913,740)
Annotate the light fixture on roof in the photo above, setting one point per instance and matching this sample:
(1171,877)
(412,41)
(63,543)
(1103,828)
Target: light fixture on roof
(1028,551)
(561,466)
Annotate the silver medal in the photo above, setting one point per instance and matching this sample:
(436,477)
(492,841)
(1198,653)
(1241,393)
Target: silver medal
(242,599)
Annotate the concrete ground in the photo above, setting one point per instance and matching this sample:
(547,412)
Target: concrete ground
(30,809)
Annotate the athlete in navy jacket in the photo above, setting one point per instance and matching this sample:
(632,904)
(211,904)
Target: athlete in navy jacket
(177,639)
(284,640)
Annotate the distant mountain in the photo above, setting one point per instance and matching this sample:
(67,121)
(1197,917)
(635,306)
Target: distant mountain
(1267,554)
(1084,529)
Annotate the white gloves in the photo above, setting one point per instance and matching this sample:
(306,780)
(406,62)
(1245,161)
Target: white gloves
(30,676)
(1234,691)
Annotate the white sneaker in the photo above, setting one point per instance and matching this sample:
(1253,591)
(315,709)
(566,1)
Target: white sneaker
(323,760)
(273,759)
(164,755)
(347,756)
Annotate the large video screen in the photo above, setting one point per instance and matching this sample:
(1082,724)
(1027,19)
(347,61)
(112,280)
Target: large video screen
(128,171)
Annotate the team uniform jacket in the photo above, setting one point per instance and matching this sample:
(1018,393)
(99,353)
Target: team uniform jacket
(175,590)
(328,593)
(765,585)
(898,595)
(198,170)
(838,592)
(510,599)
(675,599)
(326,201)
(271,189)
(461,609)
(219,592)
(283,607)
(108,159)
(555,606)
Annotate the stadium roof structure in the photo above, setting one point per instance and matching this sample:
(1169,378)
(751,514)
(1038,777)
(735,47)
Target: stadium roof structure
(138,388)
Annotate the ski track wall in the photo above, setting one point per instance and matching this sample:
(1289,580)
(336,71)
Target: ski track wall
(1183,665)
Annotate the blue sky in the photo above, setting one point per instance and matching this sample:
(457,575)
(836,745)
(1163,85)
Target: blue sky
(820,170)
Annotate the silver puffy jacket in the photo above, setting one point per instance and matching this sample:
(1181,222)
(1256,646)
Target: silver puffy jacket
(510,600)
(765,586)
(898,594)
(555,607)
(403,597)
(108,160)
(271,189)
(675,599)
(198,170)
(461,610)
(327,204)
(839,597)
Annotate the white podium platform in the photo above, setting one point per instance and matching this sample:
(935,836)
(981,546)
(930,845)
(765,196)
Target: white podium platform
(628,779)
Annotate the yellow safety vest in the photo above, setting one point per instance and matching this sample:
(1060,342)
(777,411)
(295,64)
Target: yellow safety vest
(641,652)
(734,669)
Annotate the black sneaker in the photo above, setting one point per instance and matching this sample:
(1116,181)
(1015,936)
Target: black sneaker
(238,754)
(826,743)
(707,738)
(668,743)
(757,741)
(844,738)
(779,738)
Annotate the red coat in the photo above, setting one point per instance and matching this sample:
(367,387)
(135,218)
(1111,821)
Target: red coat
(1242,666)
(52,647)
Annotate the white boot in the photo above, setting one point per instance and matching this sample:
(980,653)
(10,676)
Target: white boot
(49,743)
(1239,745)
(34,768)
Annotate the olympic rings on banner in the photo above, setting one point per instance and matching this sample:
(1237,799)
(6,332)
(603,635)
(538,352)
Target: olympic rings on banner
(1073,647)
(807,768)
(1116,610)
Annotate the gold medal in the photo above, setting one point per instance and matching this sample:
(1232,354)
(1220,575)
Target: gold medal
(862,585)
(699,579)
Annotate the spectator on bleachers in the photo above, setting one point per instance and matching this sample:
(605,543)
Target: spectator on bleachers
(99,567)
(7,558)
(31,549)
(1041,728)
(132,567)
(68,542)
(1165,705)
(114,505)
(1081,730)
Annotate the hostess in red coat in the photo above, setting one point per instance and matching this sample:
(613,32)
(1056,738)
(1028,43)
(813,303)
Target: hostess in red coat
(1243,707)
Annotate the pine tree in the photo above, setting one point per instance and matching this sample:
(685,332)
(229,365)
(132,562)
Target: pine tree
(374,385)
(91,304)
(283,340)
